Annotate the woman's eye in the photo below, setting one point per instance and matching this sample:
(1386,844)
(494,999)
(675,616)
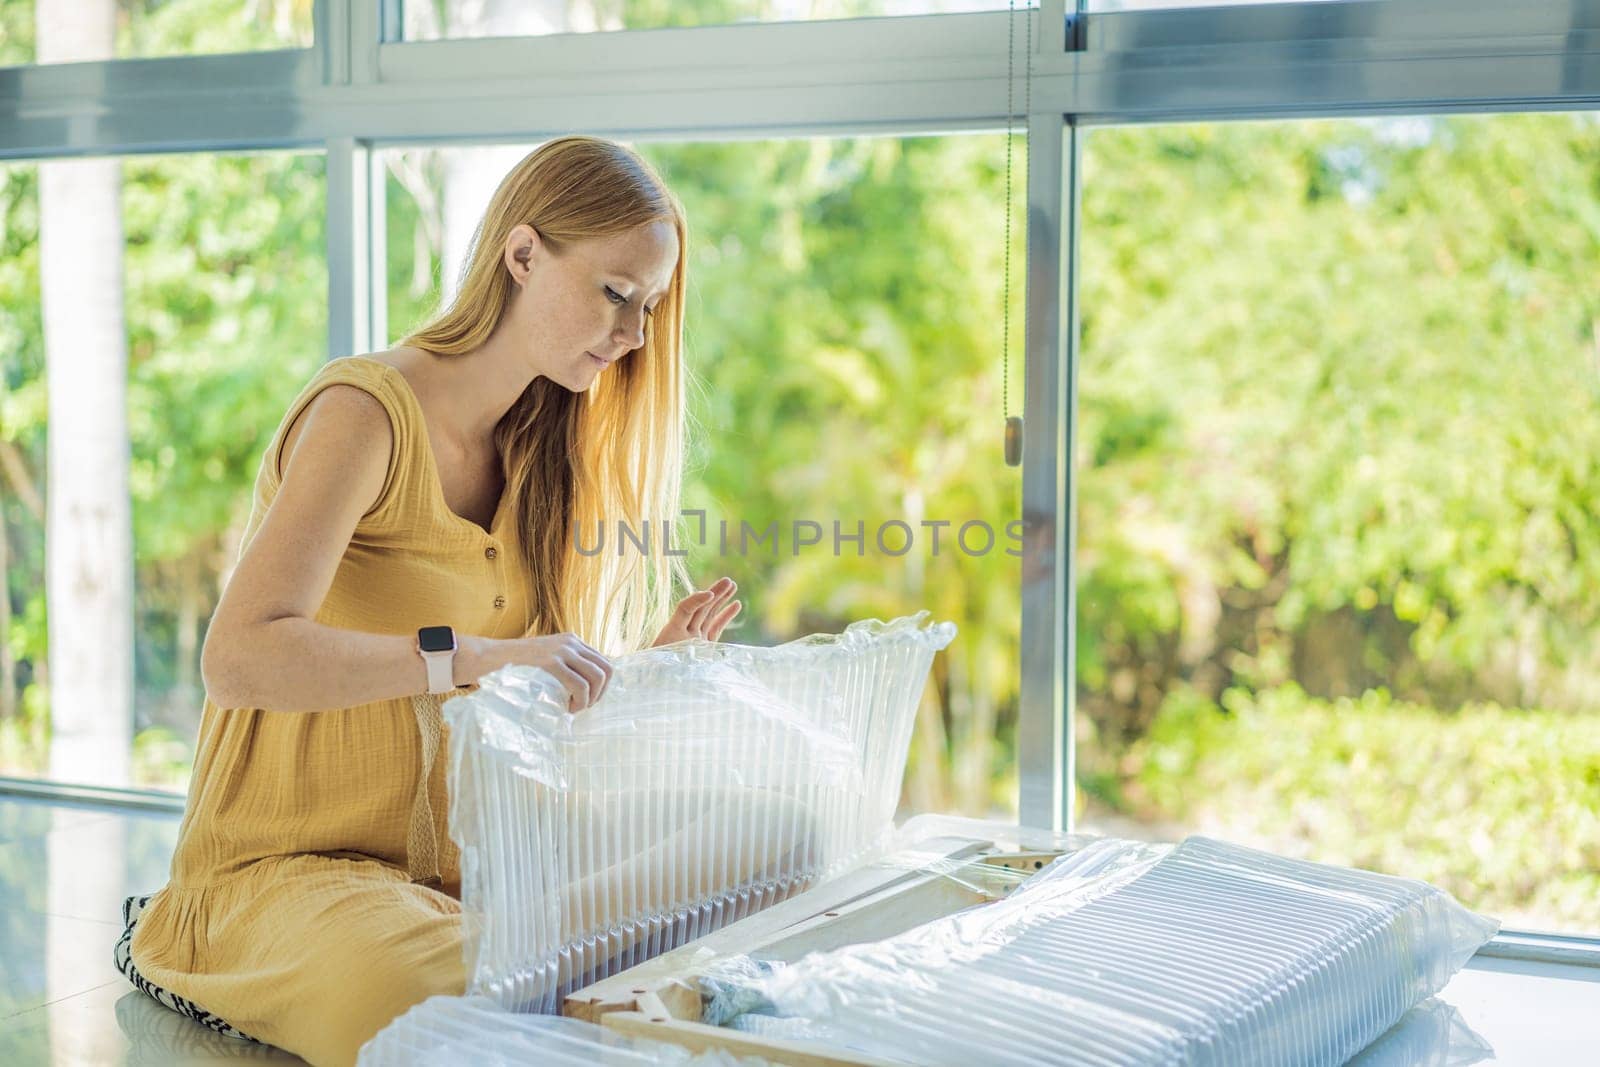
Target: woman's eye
(614,296)
(649,311)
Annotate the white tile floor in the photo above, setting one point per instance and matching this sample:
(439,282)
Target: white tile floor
(64,870)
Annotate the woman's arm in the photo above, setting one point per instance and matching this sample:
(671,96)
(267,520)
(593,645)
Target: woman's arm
(264,648)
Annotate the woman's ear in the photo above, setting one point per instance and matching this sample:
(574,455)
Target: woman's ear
(523,245)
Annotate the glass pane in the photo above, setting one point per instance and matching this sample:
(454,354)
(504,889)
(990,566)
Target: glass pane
(844,323)
(1152,5)
(58,31)
(432,19)
(1339,571)
(173,306)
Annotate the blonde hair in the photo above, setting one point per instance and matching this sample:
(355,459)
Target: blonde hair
(614,453)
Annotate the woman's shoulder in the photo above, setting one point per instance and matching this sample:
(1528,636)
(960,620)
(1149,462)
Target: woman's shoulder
(373,368)
(373,386)
(399,360)
(361,398)
(391,378)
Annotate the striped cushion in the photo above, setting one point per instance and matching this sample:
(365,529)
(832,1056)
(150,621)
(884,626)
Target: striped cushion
(131,910)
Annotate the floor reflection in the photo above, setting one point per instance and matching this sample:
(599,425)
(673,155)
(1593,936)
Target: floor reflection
(156,1036)
(1432,1034)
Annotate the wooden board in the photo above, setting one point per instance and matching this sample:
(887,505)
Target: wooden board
(655,1024)
(662,1000)
(658,975)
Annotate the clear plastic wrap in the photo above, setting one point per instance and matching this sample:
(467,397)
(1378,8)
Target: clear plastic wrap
(478,1031)
(1128,953)
(914,834)
(1432,1034)
(710,781)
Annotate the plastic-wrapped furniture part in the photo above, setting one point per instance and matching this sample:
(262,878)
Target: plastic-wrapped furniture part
(1125,953)
(478,1031)
(711,780)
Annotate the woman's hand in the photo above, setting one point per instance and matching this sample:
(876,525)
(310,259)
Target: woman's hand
(583,671)
(702,614)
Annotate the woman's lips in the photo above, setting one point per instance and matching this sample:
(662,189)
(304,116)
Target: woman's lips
(598,360)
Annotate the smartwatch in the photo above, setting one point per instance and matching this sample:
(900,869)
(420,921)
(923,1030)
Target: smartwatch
(437,645)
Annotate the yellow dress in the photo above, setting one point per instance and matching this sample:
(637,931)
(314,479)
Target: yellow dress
(314,893)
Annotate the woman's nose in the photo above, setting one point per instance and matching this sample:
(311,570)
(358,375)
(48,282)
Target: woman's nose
(630,330)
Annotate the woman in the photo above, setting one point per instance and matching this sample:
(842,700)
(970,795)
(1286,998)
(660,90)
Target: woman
(412,532)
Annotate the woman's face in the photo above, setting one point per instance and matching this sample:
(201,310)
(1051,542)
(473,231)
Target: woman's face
(589,305)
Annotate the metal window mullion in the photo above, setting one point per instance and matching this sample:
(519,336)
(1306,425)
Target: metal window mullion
(331,39)
(377,209)
(355,209)
(1049,32)
(348,34)
(368,22)
(391,21)
(1044,732)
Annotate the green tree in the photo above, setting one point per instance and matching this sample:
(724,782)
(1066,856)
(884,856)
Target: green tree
(1368,359)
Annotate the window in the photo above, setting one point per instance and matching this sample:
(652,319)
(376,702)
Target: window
(433,19)
(844,325)
(62,32)
(1338,558)
(1152,5)
(158,314)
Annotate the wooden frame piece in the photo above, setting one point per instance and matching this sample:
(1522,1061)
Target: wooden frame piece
(661,999)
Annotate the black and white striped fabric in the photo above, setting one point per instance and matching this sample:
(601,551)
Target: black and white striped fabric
(132,908)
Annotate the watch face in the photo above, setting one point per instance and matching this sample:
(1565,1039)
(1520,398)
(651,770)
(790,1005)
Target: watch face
(436,639)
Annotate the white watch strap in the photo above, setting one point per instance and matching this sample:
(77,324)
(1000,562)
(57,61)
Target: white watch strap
(441,670)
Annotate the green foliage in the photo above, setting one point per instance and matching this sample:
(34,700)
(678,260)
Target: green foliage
(227,318)
(1383,394)
(25,736)
(1499,806)
(225,310)
(162,759)
(22,404)
(16,33)
(651,14)
(189,27)
(411,237)
(174,27)
(845,325)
